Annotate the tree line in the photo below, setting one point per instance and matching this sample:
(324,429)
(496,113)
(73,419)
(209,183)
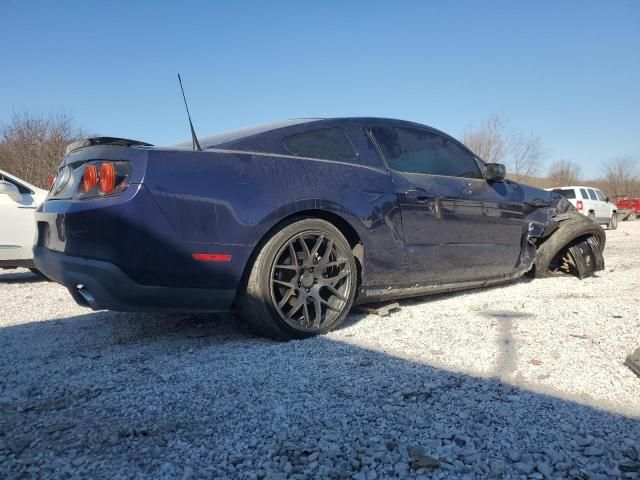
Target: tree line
(525,156)
(32,147)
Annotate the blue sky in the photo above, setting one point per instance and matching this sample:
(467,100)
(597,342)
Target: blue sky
(568,71)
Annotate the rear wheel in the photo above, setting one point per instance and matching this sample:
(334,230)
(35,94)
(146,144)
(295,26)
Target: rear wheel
(302,282)
(613,221)
(592,216)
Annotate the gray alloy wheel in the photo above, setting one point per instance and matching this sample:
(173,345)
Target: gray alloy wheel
(302,282)
(613,221)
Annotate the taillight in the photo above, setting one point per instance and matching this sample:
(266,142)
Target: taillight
(103,178)
(107,177)
(61,180)
(579,205)
(89,178)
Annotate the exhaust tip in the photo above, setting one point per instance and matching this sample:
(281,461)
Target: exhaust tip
(87,298)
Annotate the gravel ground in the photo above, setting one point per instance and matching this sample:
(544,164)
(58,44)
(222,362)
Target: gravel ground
(519,381)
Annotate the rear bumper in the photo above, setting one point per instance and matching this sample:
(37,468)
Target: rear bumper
(102,285)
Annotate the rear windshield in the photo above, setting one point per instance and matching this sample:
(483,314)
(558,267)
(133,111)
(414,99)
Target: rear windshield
(566,192)
(233,135)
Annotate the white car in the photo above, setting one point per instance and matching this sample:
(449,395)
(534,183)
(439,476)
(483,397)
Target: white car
(591,202)
(18,202)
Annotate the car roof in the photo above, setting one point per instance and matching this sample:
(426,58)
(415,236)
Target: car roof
(227,136)
(574,186)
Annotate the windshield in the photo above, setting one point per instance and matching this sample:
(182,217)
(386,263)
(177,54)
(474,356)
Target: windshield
(232,135)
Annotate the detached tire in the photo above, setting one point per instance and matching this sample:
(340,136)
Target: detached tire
(569,232)
(302,283)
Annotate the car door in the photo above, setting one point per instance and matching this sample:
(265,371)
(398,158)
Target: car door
(604,209)
(456,225)
(594,204)
(17,223)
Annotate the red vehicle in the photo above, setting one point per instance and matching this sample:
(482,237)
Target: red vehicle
(629,203)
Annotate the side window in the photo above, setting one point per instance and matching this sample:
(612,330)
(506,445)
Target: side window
(411,150)
(601,196)
(583,192)
(328,143)
(592,195)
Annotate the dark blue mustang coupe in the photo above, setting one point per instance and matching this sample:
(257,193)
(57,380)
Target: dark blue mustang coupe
(292,222)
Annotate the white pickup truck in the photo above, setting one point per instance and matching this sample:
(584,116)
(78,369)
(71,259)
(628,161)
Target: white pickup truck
(591,202)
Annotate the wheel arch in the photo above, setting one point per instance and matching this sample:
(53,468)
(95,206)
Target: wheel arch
(343,225)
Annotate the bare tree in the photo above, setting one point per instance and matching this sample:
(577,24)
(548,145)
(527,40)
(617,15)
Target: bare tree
(32,145)
(488,141)
(526,154)
(523,154)
(620,177)
(564,172)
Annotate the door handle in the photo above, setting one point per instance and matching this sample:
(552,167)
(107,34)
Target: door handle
(430,202)
(421,196)
(418,195)
(32,207)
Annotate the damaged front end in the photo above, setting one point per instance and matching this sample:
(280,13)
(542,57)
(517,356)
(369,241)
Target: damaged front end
(559,240)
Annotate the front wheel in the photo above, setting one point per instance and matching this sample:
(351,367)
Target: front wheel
(613,221)
(553,256)
(302,283)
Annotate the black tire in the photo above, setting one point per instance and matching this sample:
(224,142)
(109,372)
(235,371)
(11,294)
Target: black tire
(305,266)
(569,232)
(613,221)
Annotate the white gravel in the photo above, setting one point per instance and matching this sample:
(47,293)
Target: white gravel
(519,381)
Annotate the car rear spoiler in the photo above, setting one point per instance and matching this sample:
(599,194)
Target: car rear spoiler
(87,142)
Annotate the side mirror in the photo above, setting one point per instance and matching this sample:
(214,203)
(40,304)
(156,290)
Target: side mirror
(494,172)
(8,188)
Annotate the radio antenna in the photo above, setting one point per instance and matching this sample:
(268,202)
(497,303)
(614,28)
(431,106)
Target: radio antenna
(194,138)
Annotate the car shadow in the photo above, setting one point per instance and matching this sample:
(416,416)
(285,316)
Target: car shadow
(21,276)
(201,396)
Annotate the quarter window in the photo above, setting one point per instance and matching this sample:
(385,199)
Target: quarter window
(327,143)
(419,151)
